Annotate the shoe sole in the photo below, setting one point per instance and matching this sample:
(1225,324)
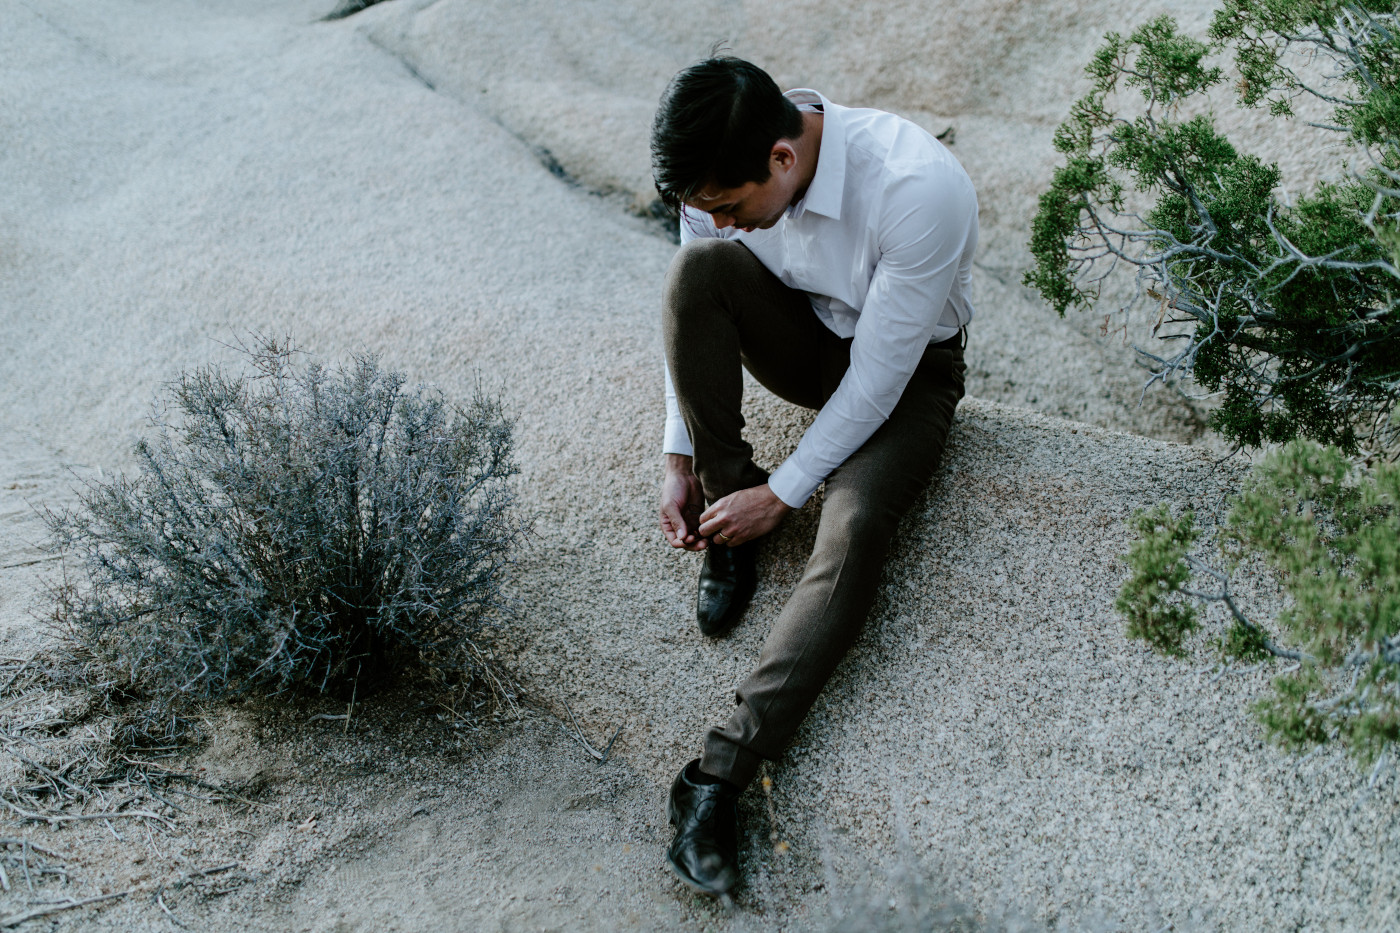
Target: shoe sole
(691,883)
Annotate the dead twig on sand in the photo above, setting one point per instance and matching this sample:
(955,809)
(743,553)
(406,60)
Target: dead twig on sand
(37,912)
(608,749)
(55,818)
(190,879)
(160,902)
(15,676)
(8,841)
(577,735)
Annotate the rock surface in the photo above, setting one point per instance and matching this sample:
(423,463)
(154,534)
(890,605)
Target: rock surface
(179,175)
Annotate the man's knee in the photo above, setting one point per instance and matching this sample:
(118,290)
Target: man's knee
(864,528)
(705,262)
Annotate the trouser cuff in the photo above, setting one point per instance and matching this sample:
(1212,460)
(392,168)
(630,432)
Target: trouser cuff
(734,763)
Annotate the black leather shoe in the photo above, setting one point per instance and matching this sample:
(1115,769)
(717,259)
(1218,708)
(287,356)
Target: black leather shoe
(727,581)
(705,852)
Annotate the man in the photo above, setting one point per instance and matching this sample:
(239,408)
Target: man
(827,250)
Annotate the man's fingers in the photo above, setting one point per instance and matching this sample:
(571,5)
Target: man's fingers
(713,526)
(716,510)
(673,525)
(718,517)
(680,514)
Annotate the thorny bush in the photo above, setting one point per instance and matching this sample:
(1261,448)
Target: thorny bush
(293,528)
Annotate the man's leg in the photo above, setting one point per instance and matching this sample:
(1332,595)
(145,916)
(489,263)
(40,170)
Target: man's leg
(864,501)
(724,309)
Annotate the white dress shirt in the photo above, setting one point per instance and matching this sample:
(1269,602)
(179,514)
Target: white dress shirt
(882,243)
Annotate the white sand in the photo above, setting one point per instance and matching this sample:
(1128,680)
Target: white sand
(179,173)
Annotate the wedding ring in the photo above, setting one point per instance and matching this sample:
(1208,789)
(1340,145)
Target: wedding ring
(720,534)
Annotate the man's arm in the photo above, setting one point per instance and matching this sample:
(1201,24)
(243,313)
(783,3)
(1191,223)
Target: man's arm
(927,223)
(681,496)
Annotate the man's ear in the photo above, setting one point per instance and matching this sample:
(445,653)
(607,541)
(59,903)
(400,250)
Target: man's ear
(782,154)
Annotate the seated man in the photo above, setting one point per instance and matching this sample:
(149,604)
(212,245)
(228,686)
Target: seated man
(827,250)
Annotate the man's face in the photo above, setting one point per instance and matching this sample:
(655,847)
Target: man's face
(753,205)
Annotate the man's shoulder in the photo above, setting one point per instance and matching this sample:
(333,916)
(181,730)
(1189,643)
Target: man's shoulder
(900,172)
(891,145)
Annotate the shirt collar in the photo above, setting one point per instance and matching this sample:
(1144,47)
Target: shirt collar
(829,183)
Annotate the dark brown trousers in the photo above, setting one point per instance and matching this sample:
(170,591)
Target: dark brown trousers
(723,309)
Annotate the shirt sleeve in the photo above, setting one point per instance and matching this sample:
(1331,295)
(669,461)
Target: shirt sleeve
(927,222)
(676,440)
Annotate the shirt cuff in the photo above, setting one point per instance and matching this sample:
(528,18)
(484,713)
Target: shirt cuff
(677,439)
(793,486)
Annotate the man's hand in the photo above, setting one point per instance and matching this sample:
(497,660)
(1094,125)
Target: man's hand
(681,502)
(743,515)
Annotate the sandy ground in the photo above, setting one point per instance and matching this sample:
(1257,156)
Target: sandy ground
(458,187)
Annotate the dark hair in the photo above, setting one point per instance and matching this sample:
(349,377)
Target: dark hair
(717,123)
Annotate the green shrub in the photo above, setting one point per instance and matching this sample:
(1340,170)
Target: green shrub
(1151,599)
(293,529)
(1286,311)
(1333,537)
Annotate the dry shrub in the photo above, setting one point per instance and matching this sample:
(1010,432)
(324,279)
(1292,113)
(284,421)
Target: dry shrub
(293,528)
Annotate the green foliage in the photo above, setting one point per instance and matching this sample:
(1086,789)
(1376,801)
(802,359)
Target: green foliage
(1288,311)
(1150,598)
(293,530)
(1243,643)
(1333,537)
(1292,718)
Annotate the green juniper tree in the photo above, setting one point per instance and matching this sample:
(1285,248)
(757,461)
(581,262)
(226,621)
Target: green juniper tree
(1334,539)
(1287,310)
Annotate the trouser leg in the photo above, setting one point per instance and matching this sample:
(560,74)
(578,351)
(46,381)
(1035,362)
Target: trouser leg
(722,310)
(864,501)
